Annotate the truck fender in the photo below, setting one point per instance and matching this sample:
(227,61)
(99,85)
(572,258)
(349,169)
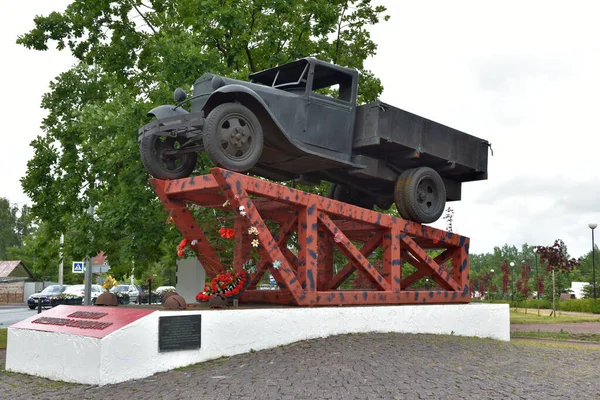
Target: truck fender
(166,111)
(274,132)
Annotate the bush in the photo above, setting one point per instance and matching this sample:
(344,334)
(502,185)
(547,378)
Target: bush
(544,304)
(580,305)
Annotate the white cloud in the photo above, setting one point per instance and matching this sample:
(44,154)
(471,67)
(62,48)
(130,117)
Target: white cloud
(26,77)
(522,75)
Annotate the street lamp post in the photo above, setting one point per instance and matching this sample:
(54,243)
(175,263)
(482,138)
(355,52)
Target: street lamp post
(491,282)
(512,281)
(537,285)
(536,275)
(592,227)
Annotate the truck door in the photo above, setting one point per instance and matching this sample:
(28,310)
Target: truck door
(331,108)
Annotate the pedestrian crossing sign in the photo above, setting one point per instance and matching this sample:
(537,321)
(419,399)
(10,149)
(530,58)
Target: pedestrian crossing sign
(78,267)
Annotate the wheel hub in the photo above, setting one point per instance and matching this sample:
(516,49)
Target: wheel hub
(426,194)
(237,137)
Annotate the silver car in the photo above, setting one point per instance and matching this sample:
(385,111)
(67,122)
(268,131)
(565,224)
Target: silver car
(97,290)
(132,290)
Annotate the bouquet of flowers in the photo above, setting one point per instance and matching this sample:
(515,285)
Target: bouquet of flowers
(109,283)
(229,284)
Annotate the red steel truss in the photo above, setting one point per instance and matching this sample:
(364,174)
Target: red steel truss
(306,274)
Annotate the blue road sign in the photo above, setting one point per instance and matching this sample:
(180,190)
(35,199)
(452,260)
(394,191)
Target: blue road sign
(78,267)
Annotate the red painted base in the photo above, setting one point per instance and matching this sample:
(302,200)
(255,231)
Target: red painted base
(402,262)
(93,321)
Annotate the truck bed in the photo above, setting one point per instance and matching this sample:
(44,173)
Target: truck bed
(407,140)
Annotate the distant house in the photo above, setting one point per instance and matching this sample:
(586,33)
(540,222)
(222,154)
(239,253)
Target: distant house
(13,275)
(577,289)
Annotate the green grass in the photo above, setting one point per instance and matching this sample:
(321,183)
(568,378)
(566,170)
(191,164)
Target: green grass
(531,317)
(3,333)
(586,337)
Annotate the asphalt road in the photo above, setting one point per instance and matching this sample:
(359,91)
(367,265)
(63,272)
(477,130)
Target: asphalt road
(12,314)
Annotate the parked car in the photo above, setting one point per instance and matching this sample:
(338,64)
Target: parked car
(45,295)
(301,121)
(97,290)
(143,297)
(132,290)
(161,289)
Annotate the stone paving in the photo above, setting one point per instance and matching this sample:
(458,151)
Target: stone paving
(359,366)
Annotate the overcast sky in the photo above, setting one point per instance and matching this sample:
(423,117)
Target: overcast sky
(525,75)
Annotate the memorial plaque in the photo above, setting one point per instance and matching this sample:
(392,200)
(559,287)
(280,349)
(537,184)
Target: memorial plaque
(179,332)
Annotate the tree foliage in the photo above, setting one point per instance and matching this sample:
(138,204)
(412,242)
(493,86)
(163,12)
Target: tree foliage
(557,260)
(556,257)
(130,56)
(15,224)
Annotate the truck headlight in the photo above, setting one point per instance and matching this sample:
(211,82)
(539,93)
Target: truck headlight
(179,95)
(217,82)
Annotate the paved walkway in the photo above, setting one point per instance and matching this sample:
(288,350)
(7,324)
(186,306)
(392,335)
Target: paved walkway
(573,327)
(558,312)
(364,366)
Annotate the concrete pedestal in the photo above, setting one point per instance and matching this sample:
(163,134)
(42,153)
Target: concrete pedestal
(90,356)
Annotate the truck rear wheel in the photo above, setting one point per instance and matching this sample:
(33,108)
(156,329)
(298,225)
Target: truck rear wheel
(421,193)
(160,166)
(399,194)
(233,137)
(348,195)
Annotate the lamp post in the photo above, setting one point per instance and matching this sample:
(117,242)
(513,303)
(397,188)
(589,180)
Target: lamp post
(537,285)
(537,291)
(512,281)
(491,281)
(592,227)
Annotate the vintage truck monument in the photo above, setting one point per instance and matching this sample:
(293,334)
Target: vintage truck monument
(300,121)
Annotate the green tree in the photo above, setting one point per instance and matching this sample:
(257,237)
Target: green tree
(556,257)
(130,56)
(15,225)
(8,227)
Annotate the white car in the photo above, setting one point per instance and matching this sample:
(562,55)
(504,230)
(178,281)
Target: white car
(97,290)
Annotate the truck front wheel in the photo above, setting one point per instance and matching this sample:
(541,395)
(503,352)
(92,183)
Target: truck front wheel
(233,137)
(162,166)
(420,195)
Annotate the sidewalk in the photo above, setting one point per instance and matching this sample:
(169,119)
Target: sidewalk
(558,312)
(13,305)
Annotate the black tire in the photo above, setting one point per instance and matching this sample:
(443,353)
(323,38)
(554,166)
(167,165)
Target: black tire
(399,197)
(158,165)
(348,195)
(233,137)
(32,307)
(424,195)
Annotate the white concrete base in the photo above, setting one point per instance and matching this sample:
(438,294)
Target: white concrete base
(132,351)
(190,277)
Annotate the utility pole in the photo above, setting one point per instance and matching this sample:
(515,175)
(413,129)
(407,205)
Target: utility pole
(60,256)
(87,297)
